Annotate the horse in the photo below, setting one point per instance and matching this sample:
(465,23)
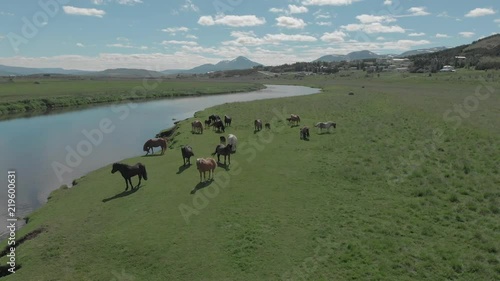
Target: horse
(267,126)
(207,123)
(233,141)
(197,127)
(257,124)
(204,165)
(222,139)
(219,126)
(294,118)
(223,150)
(187,152)
(304,133)
(325,125)
(130,171)
(213,118)
(155,143)
(227,121)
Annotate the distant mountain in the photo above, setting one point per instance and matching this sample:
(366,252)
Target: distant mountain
(421,51)
(16,70)
(236,64)
(365,54)
(126,73)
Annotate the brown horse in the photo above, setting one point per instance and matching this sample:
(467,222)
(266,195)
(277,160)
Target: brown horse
(257,125)
(155,143)
(197,127)
(294,119)
(204,165)
(130,171)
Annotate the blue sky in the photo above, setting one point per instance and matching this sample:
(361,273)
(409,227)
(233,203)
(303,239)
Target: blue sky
(181,34)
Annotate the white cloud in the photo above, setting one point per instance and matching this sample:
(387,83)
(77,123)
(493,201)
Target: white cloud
(416,34)
(297,9)
(375,27)
(189,6)
(380,38)
(404,44)
(173,30)
(479,12)
(231,20)
(324,23)
(177,42)
(441,35)
(289,37)
(97,2)
(70,10)
(128,2)
(418,11)
(191,36)
(328,2)
(466,34)
(277,10)
(336,36)
(496,20)
(6,14)
(125,46)
(372,18)
(80,45)
(290,22)
(387,2)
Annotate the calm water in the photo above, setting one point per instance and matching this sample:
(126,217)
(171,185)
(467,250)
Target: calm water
(31,146)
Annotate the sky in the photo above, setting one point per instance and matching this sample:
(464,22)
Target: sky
(181,34)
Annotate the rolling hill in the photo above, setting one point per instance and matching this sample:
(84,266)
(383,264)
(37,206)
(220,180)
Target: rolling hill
(235,64)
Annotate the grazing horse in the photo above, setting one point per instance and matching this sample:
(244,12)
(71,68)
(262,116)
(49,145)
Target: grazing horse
(155,143)
(197,127)
(294,119)
(219,126)
(222,140)
(227,121)
(304,133)
(233,141)
(207,123)
(325,125)
(257,124)
(130,171)
(204,165)
(267,126)
(213,118)
(187,152)
(223,150)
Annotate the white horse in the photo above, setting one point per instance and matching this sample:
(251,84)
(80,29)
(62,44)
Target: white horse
(325,125)
(233,141)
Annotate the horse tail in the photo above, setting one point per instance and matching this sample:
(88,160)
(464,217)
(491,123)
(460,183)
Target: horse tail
(146,146)
(143,170)
(215,151)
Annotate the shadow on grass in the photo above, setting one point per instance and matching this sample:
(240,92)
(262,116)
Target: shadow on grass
(224,166)
(4,269)
(123,194)
(201,185)
(153,155)
(182,168)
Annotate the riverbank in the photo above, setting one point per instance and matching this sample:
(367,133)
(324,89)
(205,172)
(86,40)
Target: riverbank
(40,95)
(342,205)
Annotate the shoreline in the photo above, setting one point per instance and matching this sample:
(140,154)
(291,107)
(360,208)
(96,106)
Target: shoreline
(45,106)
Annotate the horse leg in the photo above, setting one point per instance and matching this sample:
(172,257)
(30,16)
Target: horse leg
(131,185)
(229,157)
(126,182)
(139,184)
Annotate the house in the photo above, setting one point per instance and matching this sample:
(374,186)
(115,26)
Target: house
(447,68)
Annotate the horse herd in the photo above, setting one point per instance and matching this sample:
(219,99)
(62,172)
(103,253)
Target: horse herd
(224,148)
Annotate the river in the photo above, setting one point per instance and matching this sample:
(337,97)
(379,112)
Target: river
(79,142)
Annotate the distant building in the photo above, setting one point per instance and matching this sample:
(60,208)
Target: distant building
(447,68)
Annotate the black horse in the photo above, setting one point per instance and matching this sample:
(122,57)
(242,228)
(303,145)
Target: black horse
(223,150)
(213,118)
(227,121)
(304,133)
(207,123)
(187,152)
(128,171)
(219,126)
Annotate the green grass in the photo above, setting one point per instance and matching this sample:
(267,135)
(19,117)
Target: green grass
(29,94)
(325,209)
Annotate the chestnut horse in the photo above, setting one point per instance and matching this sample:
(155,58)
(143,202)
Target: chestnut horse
(204,165)
(155,143)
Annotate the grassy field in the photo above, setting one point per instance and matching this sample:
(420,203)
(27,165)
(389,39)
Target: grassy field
(402,189)
(41,94)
